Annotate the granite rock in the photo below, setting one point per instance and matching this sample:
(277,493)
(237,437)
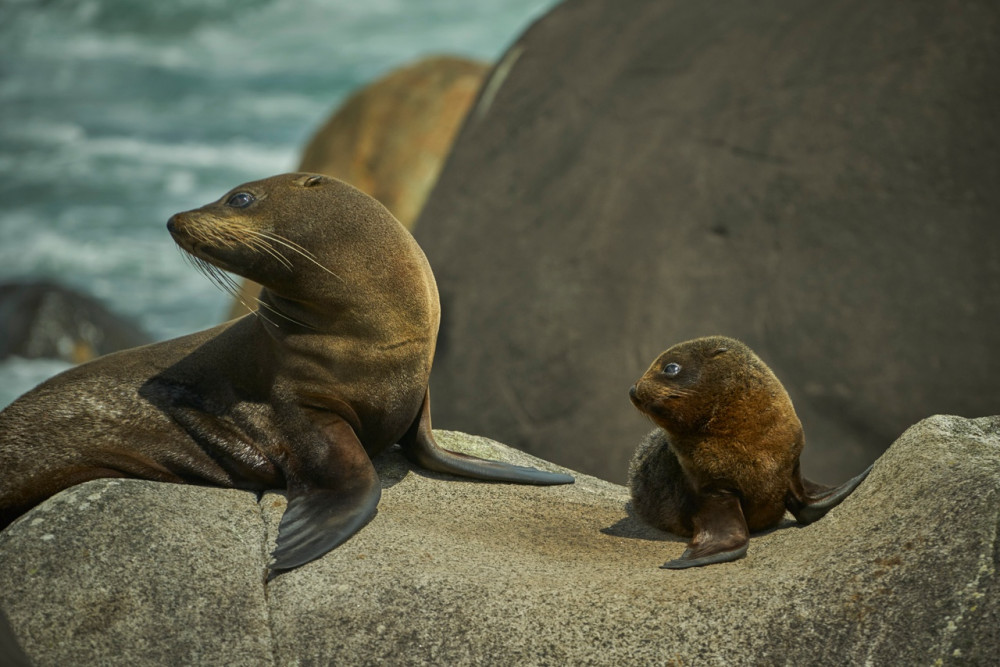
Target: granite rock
(461,572)
(818,178)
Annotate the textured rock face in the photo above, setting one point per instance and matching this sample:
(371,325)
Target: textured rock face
(454,572)
(818,179)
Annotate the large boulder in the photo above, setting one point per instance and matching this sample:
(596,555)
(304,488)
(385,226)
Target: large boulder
(42,319)
(817,178)
(125,572)
(390,138)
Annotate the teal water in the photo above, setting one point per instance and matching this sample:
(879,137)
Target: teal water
(114,114)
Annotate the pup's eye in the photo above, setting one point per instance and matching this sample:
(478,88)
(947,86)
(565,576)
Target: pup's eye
(671,370)
(241,200)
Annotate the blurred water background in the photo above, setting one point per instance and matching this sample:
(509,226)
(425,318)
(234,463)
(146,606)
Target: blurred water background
(114,114)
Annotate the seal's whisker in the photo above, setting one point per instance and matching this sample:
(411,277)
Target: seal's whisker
(262,245)
(219,278)
(288,243)
(277,312)
(227,283)
(270,250)
(295,247)
(250,309)
(291,245)
(259,312)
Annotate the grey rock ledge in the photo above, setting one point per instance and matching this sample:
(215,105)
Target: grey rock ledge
(460,572)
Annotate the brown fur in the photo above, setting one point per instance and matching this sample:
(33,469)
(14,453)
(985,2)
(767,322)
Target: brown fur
(332,371)
(343,331)
(725,422)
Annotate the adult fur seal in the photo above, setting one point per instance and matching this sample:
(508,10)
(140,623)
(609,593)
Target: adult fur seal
(332,371)
(724,461)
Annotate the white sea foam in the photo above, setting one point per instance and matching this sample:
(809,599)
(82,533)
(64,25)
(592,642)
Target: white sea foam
(248,155)
(147,280)
(135,48)
(43,132)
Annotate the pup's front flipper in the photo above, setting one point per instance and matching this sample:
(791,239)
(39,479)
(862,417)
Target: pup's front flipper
(329,500)
(419,446)
(720,532)
(812,501)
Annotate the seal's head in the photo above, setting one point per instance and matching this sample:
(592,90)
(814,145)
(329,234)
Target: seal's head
(300,236)
(693,384)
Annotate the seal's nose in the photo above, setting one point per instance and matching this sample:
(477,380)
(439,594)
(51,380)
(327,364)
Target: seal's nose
(631,393)
(179,225)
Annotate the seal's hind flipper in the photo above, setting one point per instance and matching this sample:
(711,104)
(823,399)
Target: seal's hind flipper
(816,500)
(720,532)
(419,446)
(331,497)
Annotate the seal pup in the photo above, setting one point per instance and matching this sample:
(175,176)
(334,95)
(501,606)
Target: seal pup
(331,371)
(724,461)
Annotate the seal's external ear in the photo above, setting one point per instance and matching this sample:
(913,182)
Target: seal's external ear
(315,179)
(719,350)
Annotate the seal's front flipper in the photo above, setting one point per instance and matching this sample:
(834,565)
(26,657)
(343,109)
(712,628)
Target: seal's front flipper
(419,446)
(328,504)
(318,521)
(10,650)
(815,500)
(720,532)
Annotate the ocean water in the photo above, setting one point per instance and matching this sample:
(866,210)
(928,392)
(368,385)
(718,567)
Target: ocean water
(115,114)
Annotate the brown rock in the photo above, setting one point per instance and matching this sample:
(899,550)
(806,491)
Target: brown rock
(817,179)
(390,138)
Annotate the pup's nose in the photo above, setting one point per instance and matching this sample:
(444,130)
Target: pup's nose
(631,393)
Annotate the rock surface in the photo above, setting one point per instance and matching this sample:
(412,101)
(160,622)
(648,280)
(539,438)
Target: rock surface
(40,319)
(457,572)
(819,179)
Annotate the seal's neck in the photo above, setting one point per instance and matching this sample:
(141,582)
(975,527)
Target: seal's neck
(287,315)
(283,317)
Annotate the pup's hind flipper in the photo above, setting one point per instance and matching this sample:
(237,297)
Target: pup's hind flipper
(810,501)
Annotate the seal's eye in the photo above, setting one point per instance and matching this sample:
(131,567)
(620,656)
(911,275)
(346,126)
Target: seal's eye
(241,200)
(671,370)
